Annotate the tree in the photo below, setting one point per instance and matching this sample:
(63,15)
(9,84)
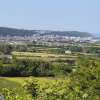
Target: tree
(85,81)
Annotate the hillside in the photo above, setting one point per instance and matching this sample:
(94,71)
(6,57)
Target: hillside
(22,32)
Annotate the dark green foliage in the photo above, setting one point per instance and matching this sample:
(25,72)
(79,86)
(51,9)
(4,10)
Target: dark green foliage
(75,49)
(93,50)
(61,69)
(35,68)
(6,49)
(9,71)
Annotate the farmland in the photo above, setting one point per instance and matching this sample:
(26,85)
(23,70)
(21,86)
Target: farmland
(49,73)
(43,56)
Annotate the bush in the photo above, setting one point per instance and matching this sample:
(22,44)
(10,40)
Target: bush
(11,95)
(51,90)
(34,68)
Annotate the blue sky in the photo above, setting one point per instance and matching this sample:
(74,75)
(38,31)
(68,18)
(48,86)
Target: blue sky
(79,15)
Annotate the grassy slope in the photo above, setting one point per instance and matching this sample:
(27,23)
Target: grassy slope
(16,83)
(12,83)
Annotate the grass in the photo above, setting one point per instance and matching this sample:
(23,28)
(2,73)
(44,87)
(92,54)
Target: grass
(43,56)
(45,59)
(17,82)
(12,83)
(29,54)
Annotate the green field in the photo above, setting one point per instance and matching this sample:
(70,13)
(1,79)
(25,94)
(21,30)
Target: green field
(43,56)
(29,54)
(15,83)
(12,83)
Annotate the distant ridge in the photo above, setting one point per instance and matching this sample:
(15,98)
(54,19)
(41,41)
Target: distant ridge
(4,31)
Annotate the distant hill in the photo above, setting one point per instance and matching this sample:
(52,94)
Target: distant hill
(68,33)
(22,32)
(15,32)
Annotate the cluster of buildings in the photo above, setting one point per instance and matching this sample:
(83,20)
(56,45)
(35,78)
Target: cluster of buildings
(44,39)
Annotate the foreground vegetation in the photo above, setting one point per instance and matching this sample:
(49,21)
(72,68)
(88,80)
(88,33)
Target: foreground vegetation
(74,76)
(82,84)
